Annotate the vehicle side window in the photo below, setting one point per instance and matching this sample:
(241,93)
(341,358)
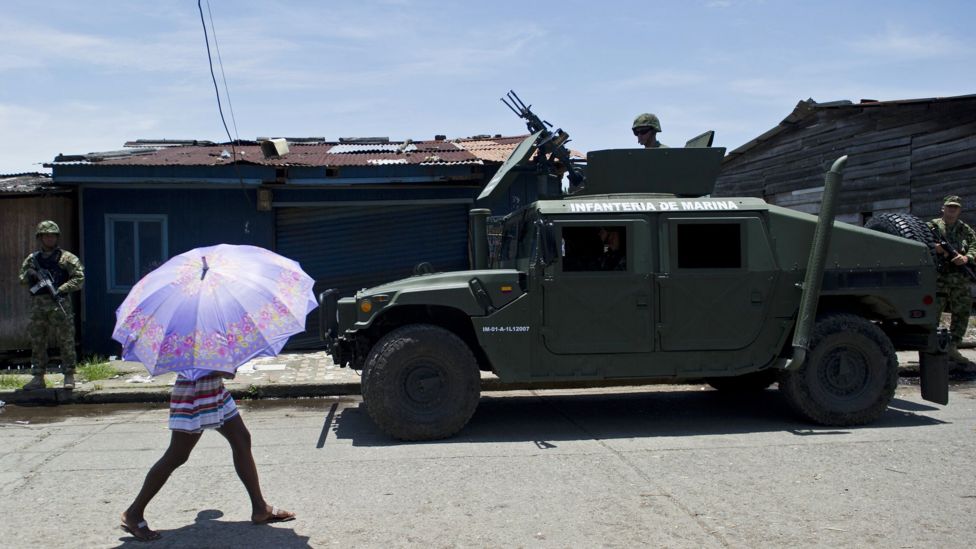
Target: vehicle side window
(709,245)
(594,248)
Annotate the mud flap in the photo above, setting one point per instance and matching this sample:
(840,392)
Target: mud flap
(934,376)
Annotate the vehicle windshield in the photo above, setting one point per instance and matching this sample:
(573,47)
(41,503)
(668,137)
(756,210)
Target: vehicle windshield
(517,246)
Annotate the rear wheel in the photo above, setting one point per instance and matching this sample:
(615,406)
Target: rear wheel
(849,376)
(421,382)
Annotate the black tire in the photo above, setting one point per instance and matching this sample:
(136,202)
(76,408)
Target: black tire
(748,383)
(903,225)
(421,382)
(849,376)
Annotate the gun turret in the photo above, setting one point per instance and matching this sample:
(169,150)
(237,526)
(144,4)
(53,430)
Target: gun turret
(45,283)
(551,143)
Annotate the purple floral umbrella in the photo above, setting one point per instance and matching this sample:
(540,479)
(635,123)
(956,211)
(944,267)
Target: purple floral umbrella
(213,309)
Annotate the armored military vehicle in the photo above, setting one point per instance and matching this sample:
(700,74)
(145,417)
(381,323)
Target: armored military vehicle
(636,273)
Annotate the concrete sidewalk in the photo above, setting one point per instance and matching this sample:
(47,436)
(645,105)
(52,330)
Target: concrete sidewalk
(289,375)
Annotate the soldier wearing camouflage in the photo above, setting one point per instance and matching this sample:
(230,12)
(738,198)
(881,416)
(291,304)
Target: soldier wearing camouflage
(50,317)
(953,288)
(646,127)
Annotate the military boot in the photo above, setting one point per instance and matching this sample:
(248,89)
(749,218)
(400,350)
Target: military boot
(36,382)
(69,380)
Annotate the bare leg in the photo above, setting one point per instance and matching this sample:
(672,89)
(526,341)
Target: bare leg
(180,446)
(239,438)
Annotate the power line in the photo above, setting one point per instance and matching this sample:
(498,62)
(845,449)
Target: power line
(213,77)
(223,77)
(220,108)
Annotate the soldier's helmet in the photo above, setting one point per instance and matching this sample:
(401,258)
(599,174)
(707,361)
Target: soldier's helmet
(647,120)
(952,200)
(47,227)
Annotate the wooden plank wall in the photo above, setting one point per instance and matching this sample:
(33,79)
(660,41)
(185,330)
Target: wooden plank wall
(20,216)
(902,158)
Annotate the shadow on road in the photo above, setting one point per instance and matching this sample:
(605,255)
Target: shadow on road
(625,415)
(207,531)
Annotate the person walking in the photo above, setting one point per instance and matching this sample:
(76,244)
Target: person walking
(953,283)
(51,274)
(196,406)
(646,127)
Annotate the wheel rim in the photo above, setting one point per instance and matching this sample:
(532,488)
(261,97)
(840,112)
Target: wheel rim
(845,374)
(423,384)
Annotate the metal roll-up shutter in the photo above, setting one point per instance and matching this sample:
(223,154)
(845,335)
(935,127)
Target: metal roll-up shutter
(354,247)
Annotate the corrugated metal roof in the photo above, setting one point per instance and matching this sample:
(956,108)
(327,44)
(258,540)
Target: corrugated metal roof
(807,107)
(476,151)
(371,148)
(26,183)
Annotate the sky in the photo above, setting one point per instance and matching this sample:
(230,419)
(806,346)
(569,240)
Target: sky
(79,77)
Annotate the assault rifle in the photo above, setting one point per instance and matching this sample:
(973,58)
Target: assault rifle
(45,283)
(946,261)
(551,144)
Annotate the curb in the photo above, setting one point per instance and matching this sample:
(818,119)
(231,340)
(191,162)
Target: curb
(56,397)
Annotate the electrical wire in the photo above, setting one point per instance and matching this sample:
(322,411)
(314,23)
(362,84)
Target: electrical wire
(213,77)
(220,108)
(223,77)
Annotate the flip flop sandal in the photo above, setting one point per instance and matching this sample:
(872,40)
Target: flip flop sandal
(275,517)
(141,527)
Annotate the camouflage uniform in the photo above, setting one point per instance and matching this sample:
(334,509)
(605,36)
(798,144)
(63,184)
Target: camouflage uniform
(953,285)
(46,317)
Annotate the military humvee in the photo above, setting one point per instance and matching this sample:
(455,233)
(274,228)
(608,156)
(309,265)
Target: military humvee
(636,273)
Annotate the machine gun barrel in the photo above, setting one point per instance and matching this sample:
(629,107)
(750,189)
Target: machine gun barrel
(551,143)
(946,260)
(45,283)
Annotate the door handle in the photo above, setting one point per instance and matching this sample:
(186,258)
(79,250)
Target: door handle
(643,301)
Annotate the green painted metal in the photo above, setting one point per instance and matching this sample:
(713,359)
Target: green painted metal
(702,287)
(815,265)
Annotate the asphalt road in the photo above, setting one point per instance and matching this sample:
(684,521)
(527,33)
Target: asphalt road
(663,466)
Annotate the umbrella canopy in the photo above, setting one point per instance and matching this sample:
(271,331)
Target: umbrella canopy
(212,309)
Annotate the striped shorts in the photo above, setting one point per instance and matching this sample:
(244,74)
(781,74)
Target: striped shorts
(201,404)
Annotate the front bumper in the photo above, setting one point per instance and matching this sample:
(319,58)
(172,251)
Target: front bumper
(328,315)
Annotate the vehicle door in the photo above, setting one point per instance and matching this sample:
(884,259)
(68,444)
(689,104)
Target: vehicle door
(597,299)
(717,276)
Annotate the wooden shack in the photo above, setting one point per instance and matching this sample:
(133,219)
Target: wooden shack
(25,200)
(904,156)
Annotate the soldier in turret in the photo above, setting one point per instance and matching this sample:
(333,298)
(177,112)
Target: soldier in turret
(51,274)
(953,289)
(646,127)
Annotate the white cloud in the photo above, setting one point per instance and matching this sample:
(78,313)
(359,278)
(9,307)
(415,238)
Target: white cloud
(898,43)
(763,87)
(45,46)
(77,128)
(658,79)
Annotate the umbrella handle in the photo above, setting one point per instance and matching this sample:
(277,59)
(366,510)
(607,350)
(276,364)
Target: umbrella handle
(205,268)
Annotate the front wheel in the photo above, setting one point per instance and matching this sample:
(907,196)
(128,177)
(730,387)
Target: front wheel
(421,382)
(849,376)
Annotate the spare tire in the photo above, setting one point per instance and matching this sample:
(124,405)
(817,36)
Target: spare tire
(904,225)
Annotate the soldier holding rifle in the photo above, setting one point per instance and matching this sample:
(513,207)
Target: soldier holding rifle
(51,273)
(956,250)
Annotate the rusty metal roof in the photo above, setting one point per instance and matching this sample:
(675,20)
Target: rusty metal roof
(27,183)
(478,150)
